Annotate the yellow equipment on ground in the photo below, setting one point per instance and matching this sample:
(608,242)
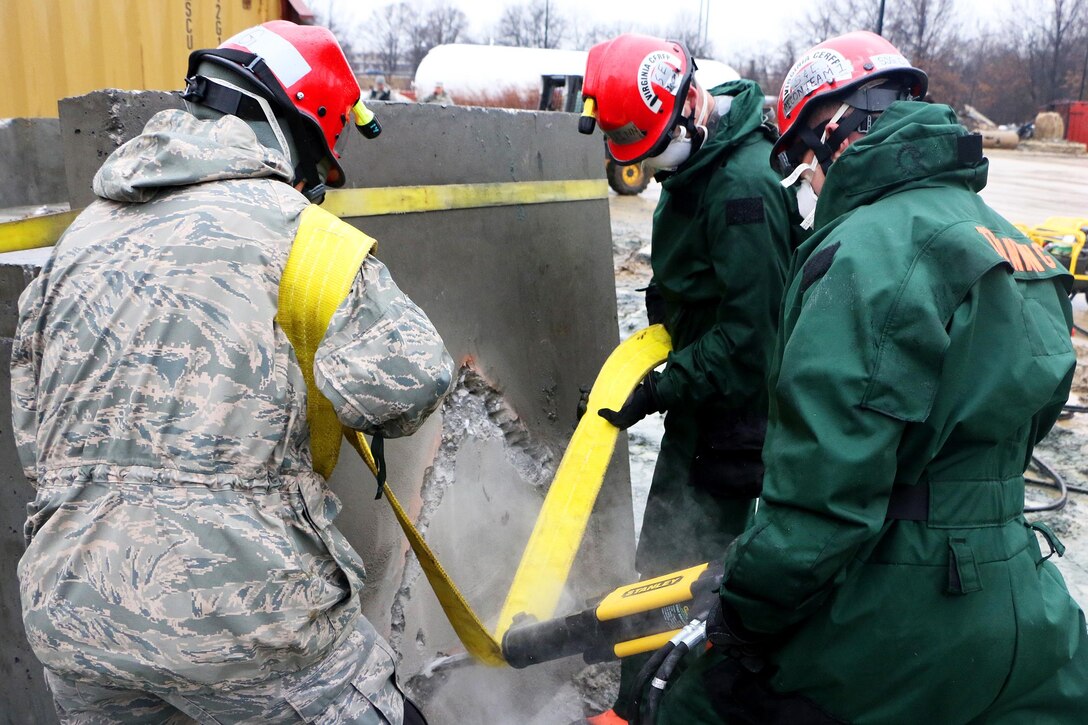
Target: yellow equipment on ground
(1064,238)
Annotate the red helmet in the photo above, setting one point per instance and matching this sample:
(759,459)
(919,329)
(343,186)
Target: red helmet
(635,88)
(303,74)
(843,69)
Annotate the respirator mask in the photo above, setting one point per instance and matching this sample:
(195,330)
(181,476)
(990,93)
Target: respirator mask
(679,150)
(687,138)
(806,195)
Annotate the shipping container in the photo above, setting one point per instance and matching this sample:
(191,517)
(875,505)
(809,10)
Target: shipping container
(58,48)
(1076,125)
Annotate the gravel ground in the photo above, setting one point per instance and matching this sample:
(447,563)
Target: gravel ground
(1054,188)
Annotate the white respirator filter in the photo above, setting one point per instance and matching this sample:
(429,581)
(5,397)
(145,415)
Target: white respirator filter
(806,203)
(676,153)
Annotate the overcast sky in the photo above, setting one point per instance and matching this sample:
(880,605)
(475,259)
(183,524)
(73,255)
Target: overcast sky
(737,27)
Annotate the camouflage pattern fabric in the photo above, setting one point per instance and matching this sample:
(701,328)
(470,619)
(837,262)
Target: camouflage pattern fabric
(343,689)
(179,537)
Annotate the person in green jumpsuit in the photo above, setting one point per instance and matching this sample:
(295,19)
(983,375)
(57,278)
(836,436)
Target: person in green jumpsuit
(889,575)
(720,251)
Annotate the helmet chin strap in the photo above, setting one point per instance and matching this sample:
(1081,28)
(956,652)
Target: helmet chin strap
(229,103)
(824,146)
(857,113)
(696,124)
(225,97)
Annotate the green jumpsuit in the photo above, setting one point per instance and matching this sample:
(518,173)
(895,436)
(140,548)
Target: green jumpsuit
(924,351)
(720,251)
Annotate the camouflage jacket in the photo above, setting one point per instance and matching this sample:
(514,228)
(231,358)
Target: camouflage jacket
(180,533)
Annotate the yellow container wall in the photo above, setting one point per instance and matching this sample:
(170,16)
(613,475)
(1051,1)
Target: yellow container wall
(58,48)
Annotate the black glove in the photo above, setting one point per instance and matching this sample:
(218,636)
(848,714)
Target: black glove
(705,591)
(655,304)
(583,401)
(642,402)
(725,632)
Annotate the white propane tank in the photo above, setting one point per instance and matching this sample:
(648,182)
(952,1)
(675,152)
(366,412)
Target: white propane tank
(488,74)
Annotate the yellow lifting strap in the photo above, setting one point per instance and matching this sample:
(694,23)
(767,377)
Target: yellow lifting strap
(548,556)
(320,270)
(465,622)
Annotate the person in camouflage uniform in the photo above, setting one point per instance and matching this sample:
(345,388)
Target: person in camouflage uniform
(182,562)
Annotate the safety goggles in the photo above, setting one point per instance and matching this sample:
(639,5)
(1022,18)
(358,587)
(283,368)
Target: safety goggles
(855,114)
(788,161)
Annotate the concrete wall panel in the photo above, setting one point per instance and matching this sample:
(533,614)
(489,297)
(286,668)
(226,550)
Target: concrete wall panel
(23,694)
(31,162)
(92,126)
(524,296)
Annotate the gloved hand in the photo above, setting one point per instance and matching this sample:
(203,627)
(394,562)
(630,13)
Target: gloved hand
(725,631)
(655,304)
(642,402)
(704,590)
(583,401)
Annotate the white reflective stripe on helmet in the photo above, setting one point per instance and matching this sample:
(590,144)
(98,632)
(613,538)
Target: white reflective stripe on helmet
(277,52)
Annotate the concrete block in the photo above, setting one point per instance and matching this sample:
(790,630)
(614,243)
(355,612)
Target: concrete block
(31,162)
(92,126)
(23,691)
(524,296)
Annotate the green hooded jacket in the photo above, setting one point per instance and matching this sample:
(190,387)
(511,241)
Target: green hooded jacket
(924,351)
(721,248)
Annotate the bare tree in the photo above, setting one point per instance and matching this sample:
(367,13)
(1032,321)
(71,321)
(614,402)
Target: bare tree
(535,24)
(389,30)
(921,29)
(445,24)
(586,36)
(688,31)
(769,68)
(835,17)
(440,25)
(1042,31)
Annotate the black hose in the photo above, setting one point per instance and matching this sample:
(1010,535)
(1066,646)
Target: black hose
(663,674)
(643,678)
(1058,483)
(1050,484)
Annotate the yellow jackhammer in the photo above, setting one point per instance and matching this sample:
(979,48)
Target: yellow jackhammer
(665,615)
(635,618)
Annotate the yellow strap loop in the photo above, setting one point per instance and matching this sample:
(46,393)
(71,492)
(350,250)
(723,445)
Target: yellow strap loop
(44,231)
(321,268)
(465,622)
(320,271)
(548,557)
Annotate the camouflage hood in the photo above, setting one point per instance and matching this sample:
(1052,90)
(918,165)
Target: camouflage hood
(178,149)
